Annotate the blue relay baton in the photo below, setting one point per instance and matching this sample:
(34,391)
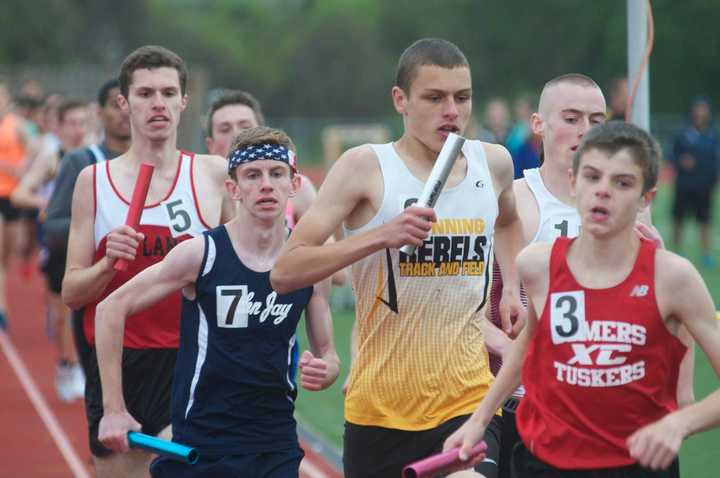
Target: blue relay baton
(166,448)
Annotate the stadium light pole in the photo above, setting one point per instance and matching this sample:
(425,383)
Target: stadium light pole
(637,17)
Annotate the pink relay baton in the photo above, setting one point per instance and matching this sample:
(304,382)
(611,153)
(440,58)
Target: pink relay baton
(442,463)
(137,202)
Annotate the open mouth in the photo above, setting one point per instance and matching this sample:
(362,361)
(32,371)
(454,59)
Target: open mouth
(159,119)
(267,202)
(599,213)
(449,129)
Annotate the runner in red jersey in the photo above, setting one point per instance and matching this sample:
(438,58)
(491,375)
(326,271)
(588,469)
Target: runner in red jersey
(601,362)
(186,196)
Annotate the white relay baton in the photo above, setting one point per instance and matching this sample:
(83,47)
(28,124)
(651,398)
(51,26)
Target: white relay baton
(438,176)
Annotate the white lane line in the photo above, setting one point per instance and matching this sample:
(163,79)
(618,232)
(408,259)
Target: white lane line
(43,410)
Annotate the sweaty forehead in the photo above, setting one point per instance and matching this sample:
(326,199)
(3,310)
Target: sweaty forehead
(571,96)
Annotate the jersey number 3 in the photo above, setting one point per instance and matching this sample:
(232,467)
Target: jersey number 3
(567,316)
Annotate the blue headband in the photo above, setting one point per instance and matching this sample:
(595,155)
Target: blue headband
(256,152)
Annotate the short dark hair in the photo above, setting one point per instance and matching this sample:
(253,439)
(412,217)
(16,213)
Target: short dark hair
(151,57)
(427,51)
(67,105)
(234,97)
(104,92)
(614,136)
(261,135)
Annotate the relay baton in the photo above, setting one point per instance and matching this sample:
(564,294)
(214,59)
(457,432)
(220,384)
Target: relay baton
(442,463)
(438,176)
(142,184)
(166,448)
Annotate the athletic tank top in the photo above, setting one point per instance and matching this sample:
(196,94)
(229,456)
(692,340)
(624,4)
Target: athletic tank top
(556,219)
(12,152)
(421,359)
(601,365)
(232,389)
(176,218)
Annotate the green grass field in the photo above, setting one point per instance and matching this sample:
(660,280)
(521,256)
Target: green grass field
(322,412)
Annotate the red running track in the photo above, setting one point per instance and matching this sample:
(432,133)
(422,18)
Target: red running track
(41,435)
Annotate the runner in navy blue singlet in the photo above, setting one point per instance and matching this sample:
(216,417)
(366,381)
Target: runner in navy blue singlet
(233,391)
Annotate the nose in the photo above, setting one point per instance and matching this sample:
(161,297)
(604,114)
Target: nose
(583,126)
(451,109)
(266,183)
(158,102)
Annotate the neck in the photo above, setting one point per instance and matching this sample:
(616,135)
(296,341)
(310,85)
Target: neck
(157,153)
(607,253)
(412,149)
(258,238)
(556,180)
(116,145)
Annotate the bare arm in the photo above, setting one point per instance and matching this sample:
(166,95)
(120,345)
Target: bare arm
(306,258)
(179,269)
(685,392)
(39,173)
(84,280)
(508,239)
(682,296)
(533,268)
(319,369)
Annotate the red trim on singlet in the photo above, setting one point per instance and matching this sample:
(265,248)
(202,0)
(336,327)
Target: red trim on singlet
(194,193)
(149,206)
(94,190)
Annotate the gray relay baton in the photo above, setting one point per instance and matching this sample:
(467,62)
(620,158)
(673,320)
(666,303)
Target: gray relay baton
(438,176)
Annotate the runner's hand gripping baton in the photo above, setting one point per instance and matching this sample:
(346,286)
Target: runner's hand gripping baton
(438,177)
(166,448)
(442,463)
(142,184)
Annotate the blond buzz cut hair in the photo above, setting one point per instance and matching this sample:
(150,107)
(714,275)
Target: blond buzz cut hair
(569,78)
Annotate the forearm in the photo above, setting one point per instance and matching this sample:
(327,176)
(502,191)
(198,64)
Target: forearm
(302,265)
(23,198)
(701,415)
(508,243)
(496,341)
(507,381)
(83,286)
(109,332)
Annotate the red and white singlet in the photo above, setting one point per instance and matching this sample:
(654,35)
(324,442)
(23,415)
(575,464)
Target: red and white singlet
(601,365)
(176,218)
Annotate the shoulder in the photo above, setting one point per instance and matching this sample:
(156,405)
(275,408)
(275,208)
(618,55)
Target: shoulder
(499,162)
(534,260)
(359,164)
(211,163)
(674,272)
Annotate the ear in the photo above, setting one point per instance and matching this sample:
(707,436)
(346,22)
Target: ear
(209,143)
(537,123)
(232,188)
(399,99)
(184,102)
(573,182)
(295,184)
(123,104)
(647,198)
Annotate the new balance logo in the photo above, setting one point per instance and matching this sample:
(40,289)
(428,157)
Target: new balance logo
(639,291)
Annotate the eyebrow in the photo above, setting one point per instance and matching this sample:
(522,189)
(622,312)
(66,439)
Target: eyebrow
(580,112)
(444,92)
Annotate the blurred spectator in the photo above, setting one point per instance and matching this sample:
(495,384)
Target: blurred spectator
(618,99)
(695,159)
(496,122)
(522,144)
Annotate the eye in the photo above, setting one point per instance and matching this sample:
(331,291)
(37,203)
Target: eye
(463,98)
(571,119)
